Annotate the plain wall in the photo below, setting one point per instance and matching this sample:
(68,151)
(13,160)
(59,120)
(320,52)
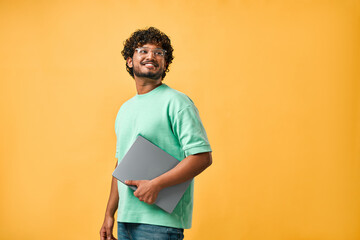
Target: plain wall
(276,84)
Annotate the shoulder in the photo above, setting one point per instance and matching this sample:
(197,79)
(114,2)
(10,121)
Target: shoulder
(127,103)
(124,106)
(178,104)
(176,99)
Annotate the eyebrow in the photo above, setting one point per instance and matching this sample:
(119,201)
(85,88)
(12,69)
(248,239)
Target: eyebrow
(150,48)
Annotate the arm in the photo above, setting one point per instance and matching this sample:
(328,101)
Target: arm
(187,169)
(112,205)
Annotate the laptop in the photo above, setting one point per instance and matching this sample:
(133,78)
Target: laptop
(145,161)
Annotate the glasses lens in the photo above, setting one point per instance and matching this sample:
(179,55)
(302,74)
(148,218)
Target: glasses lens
(157,52)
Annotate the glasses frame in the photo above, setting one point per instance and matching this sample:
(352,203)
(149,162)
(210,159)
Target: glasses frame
(150,50)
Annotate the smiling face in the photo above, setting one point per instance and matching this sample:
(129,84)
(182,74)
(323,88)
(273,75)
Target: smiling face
(147,64)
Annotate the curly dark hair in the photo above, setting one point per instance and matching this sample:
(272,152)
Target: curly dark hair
(144,36)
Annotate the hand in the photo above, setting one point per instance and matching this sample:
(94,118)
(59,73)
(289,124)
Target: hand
(107,228)
(147,190)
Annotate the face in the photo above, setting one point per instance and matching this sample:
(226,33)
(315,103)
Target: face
(149,64)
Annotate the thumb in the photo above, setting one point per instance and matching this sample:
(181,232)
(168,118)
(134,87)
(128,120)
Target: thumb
(132,182)
(108,234)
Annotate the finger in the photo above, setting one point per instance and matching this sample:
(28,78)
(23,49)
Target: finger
(102,234)
(136,194)
(108,233)
(149,201)
(132,182)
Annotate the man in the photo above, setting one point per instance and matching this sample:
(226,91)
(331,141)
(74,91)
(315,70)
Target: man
(170,120)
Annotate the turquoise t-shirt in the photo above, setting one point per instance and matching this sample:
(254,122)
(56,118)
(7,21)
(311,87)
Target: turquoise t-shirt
(170,120)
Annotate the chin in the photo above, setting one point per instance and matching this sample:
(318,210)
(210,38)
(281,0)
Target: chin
(154,76)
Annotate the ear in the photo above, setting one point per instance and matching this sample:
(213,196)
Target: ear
(129,62)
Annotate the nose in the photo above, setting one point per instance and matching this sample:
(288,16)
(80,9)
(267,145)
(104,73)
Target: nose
(150,55)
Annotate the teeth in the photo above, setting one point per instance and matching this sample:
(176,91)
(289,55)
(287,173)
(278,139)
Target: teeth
(149,64)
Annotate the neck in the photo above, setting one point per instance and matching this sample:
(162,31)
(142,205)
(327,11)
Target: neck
(145,85)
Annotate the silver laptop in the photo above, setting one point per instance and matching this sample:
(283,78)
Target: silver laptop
(146,161)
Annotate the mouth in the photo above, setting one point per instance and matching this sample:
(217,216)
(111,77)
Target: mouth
(149,64)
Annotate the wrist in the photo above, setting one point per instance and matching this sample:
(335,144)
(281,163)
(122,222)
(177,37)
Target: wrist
(109,215)
(156,182)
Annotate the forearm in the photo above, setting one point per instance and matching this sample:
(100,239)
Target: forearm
(113,199)
(187,169)
(107,227)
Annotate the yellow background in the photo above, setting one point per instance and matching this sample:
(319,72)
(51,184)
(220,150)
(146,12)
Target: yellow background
(276,84)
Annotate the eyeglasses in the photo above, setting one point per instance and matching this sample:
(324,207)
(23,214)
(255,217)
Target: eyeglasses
(158,52)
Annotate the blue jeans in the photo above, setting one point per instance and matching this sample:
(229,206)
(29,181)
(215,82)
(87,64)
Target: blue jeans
(139,231)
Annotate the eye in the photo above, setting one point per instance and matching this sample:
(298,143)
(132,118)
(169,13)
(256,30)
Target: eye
(143,51)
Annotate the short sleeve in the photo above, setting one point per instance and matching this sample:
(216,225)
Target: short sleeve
(116,147)
(190,131)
